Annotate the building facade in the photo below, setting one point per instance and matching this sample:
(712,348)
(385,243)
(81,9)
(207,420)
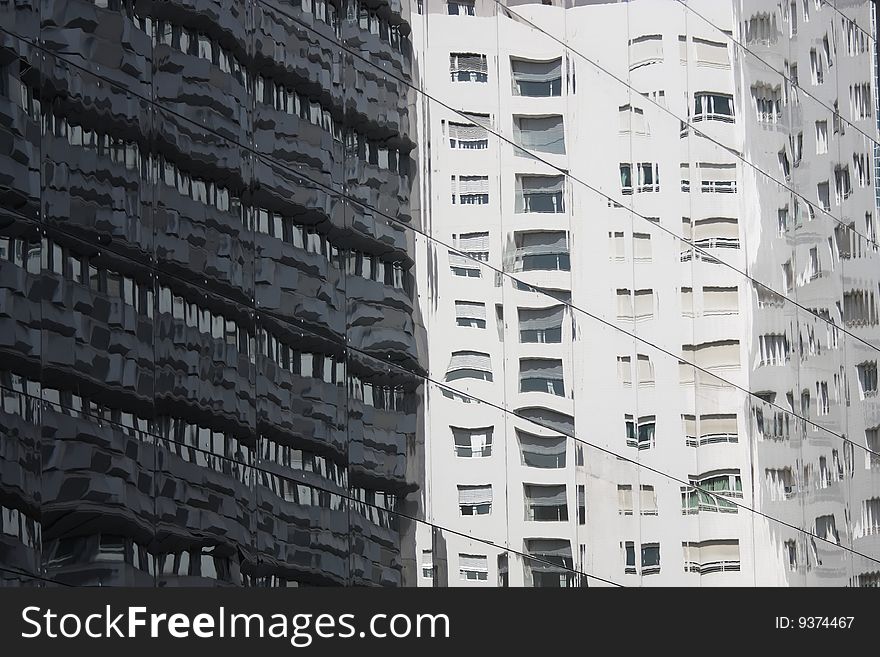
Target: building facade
(457,293)
(650,293)
(209,368)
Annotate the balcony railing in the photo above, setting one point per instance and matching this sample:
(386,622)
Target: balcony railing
(711,567)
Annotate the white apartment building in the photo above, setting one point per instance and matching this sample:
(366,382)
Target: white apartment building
(565,419)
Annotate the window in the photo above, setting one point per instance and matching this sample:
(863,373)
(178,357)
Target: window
(784,164)
(650,558)
(544,134)
(867,373)
(713,106)
(473,246)
(842,184)
(640,434)
(872,444)
(468,67)
(822,400)
(475,500)
(470,190)
(685,168)
(624,370)
(472,443)
(856,37)
(625,499)
(555,420)
(649,177)
(814,266)
(542,325)
(687,302)
(643,304)
(471,314)
(554,570)
(817,72)
(761,28)
(467,136)
(582,512)
(460,7)
(827,529)
(780,483)
(721,354)
(628,552)
(711,556)
(860,165)
(474,567)
(632,120)
(617,249)
(626,182)
(711,53)
(541,375)
(716,232)
(859,308)
(545,503)
(428,564)
(782,220)
(540,193)
(838,125)
(720,300)
(111,548)
(645,370)
(768,103)
(821,137)
(642,247)
(860,101)
(541,251)
(647,500)
(871,517)
(645,50)
(469,365)
(542,451)
(773,350)
(708,492)
(536,78)
(787,276)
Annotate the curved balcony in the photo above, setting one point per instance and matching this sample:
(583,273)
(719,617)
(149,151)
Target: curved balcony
(198,242)
(385,101)
(288,50)
(19,159)
(97,199)
(304,407)
(377,447)
(96,477)
(20,494)
(380,321)
(370,45)
(203,378)
(102,37)
(203,96)
(299,144)
(379,228)
(21,316)
(299,541)
(96,344)
(375,553)
(201,499)
(383,189)
(300,286)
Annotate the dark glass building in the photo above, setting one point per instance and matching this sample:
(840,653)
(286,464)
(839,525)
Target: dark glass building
(208,362)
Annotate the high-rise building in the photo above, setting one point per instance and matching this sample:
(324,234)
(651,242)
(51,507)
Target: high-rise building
(208,360)
(650,292)
(457,293)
